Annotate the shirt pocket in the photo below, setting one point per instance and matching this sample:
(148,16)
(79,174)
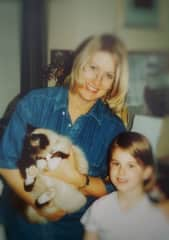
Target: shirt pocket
(99,160)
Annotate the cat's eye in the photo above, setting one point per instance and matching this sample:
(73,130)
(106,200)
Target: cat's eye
(34,137)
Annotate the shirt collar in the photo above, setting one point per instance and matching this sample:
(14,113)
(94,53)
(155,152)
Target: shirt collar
(96,111)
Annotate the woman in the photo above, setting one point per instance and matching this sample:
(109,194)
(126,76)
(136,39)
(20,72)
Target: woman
(84,110)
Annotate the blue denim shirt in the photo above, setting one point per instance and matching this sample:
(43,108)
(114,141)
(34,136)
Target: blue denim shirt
(92,132)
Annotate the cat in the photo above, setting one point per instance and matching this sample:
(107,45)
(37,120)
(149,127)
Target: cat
(44,149)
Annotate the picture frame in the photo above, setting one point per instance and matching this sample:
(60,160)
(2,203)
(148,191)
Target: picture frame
(58,68)
(142,13)
(139,35)
(61,56)
(149,81)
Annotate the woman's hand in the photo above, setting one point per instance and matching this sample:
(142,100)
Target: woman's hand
(9,175)
(68,172)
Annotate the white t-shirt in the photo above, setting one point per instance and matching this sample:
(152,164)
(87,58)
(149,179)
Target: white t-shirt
(143,222)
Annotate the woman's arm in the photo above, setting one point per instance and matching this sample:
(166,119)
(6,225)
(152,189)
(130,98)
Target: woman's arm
(90,236)
(67,172)
(15,181)
(95,187)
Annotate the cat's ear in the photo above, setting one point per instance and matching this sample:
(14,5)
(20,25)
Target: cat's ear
(30,128)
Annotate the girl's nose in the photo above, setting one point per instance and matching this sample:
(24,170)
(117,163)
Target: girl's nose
(121,171)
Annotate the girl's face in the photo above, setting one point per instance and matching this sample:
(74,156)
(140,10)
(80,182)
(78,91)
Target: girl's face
(96,76)
(126,173)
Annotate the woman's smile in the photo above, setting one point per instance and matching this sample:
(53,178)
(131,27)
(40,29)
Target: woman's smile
(91,87)
(97,76)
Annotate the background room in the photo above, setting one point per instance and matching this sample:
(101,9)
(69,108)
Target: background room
(32,32)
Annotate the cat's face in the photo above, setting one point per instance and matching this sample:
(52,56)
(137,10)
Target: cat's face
(40,142)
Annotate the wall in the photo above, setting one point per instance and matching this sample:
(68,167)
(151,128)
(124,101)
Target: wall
(70,21)
(143,38)
(9,51)
(78,19)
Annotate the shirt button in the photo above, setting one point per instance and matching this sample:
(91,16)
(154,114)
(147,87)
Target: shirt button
(63,113)
(69,125)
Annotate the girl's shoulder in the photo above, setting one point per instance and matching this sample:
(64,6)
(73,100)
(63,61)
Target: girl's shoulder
(105,201)
(152,212)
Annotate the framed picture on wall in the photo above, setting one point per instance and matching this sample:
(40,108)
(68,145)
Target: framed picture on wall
(142,13)
(149,81)
(59,67)
(143,24)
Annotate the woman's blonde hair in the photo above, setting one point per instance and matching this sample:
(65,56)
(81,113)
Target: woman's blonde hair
(116,96)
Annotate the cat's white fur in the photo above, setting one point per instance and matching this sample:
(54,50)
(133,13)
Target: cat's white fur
(59,194)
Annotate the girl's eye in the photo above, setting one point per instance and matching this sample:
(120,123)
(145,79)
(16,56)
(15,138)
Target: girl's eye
(113,163)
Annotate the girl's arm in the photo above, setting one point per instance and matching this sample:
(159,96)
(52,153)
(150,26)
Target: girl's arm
(90,236)
(15,181)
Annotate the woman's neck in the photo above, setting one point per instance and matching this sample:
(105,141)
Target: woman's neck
(77,106)
(129,200)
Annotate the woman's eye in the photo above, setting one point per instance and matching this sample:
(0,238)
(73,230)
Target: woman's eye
(93,67)
(131,165)
(109,76)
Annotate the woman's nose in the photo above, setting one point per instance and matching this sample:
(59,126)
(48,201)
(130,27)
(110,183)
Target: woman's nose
(98,78)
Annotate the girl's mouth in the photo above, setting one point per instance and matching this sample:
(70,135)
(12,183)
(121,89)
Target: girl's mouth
(122,180)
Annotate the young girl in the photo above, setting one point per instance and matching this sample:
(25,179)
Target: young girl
(127,213)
